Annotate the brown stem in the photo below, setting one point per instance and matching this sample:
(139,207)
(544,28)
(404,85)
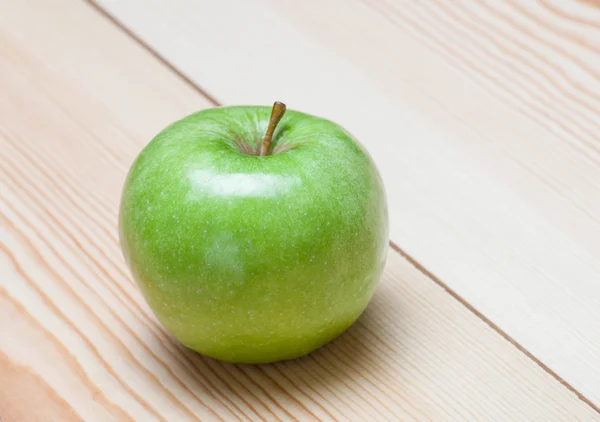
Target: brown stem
(276,115)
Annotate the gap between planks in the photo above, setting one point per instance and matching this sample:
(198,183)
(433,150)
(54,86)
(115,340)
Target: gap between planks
(393,245)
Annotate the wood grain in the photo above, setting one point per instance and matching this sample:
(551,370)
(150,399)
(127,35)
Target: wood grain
(77,341)
(484,118)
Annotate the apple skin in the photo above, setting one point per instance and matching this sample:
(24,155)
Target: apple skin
(254,259)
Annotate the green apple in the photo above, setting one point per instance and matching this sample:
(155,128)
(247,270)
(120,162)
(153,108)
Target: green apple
(254,239)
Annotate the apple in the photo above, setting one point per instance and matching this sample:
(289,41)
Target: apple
(254,235)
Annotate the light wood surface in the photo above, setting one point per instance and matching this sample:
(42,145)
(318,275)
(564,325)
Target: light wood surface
(483,116)
(79,99)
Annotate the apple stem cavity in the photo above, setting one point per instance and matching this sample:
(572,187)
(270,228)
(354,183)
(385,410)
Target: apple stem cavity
(276,114)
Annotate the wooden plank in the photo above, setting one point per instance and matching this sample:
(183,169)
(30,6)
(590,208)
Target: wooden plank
(77,341)
(484,118)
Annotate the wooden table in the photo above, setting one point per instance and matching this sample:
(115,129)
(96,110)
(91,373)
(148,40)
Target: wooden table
(484,119)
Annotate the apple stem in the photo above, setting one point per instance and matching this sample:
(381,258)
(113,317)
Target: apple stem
(276,115)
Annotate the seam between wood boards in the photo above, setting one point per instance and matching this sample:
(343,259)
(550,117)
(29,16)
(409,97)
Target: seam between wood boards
(193,85)
(491,324)
(152,52)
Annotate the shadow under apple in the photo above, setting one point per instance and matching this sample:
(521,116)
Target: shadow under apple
(334,376)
